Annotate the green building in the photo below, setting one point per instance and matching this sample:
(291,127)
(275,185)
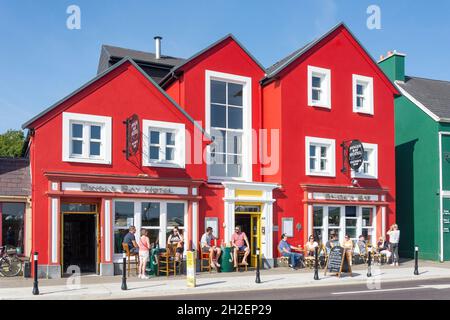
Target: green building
(422,128)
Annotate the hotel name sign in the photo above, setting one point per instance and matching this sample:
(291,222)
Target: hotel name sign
(123,188)
(343,197)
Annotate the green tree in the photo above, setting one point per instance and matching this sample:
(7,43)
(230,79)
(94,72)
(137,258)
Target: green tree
(11,143)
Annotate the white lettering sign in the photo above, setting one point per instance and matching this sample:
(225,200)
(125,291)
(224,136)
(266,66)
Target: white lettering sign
(122,188)
(344,197)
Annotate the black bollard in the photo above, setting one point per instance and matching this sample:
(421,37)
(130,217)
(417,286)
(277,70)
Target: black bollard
(316,264)
(369,263)
(258,279)
(35,282)
(124,272)
(416,261)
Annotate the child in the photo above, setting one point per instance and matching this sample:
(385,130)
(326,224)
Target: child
(144,247)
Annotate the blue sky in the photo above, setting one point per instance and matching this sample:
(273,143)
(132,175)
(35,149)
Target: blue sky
(41,61)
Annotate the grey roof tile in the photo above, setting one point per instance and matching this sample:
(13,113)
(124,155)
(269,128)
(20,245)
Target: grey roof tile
(433,94)
(15,177)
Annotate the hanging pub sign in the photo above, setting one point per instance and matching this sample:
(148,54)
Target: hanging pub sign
(133,135)
(355,154)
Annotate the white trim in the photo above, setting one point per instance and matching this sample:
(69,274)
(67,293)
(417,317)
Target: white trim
(106,134)
(108,226)
(331,145)
(180,143)
(374,148)
(55,228)
(247,139)
(383,221)
(369,95)
(195,238)
(325,74)
(441,196)
(311,220)
(418,103)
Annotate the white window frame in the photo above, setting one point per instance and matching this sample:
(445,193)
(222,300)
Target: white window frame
(368,94)
(86,120)
(246,125)
(373,162)
(325,75)
(331,156)
(163,228)
(180,143)
(284,224)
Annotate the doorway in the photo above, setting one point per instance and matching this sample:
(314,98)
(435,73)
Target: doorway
(80,240)
(248,217)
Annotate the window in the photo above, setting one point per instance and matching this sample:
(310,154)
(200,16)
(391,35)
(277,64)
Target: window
(12,215)
(228,121)
(319,87)
(369,167)
(86,138)
(318,225)
(362,94)
(157,217)
(287,225)
(164,144)
(351,221)
(334,221)
(367,216)
(320,157)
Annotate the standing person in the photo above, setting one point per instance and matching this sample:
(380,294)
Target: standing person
(286,251)
(394,238)
(206,243)
(311,246)
(176,239)
(144,253)
(348,246)
(239,241)
(130,240)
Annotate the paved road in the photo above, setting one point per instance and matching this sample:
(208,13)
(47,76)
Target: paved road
(407,290)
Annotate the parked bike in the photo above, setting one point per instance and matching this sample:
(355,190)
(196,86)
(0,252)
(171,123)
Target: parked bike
(10,264)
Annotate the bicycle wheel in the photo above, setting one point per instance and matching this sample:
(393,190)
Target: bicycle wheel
(10,266)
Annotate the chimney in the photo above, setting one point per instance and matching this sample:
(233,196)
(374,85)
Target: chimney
(393,65)
(158,47)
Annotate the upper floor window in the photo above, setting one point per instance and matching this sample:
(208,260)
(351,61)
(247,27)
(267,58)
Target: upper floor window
(369,167)
(228,121)
(320,157)
(86,138)
(319,87)
(164,144)
(362,94)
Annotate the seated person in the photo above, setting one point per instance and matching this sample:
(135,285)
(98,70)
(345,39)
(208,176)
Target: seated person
(239,240)
(311,246)
(130,240)
(286,251)
(332,242)
(383,248)
(206,244)
(361,245)
(176,239)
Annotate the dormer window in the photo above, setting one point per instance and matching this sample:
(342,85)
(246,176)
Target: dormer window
(319,87)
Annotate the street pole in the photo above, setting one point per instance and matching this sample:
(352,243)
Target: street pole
(316,263)
(258,279)
(35,282)
(416,261)
(369,263)
(124,272)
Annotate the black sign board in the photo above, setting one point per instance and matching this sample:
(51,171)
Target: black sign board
(133,135)
(338,261)
(355,154)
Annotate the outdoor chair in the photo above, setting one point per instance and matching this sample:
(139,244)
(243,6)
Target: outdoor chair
(167,263)
(204,257)
(240,257)
(132,259)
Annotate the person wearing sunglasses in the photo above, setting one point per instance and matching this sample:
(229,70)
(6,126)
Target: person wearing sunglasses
(311,246)
(348,246)
(286,251)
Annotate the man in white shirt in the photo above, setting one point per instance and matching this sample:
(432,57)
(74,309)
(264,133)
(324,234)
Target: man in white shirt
(206,243)
(394,238)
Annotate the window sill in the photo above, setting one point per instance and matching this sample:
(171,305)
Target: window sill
(364,176)
(320,174)
(366,112)
(223,179)
(86,160)
(164,165)
(317,105)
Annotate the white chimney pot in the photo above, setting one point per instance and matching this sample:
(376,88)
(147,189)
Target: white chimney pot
(158,47)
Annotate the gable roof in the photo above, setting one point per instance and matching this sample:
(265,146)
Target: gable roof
(278,67)
(15,178)
(432,96)
(29,123)
(170,76)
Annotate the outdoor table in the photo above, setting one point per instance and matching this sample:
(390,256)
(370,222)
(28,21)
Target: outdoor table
(226,260)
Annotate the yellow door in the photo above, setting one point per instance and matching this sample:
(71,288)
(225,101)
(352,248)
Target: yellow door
(255,238)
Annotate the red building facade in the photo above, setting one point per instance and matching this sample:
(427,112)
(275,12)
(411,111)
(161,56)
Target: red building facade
(223,142)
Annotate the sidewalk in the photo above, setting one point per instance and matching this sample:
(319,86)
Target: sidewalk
(95,287)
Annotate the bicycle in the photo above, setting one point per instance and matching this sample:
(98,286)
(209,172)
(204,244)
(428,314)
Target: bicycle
(10,264)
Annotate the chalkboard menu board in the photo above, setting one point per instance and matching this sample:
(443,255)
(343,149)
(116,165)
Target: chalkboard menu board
(337,261)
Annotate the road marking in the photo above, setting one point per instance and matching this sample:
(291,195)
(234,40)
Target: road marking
(437,287)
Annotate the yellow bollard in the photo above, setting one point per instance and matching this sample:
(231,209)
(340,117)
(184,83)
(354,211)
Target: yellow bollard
(190,268)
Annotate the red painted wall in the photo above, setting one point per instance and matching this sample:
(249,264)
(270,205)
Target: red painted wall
(286,106)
